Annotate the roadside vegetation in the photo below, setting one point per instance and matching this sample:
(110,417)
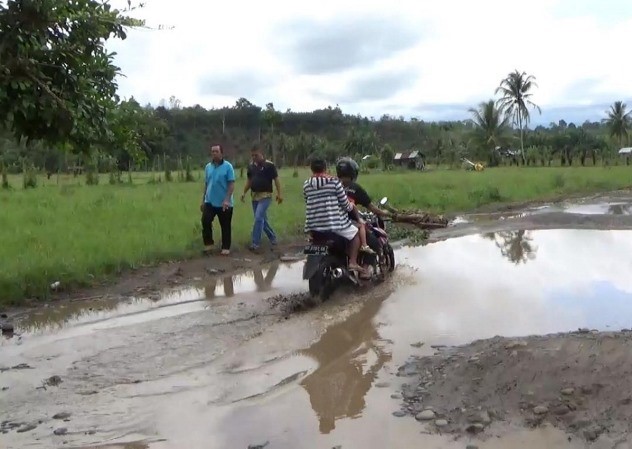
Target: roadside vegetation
(76,233)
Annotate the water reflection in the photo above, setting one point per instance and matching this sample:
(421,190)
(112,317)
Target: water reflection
(337,388)
(227,283)
(516,246)
(264,284)
(171,302)
(620,209)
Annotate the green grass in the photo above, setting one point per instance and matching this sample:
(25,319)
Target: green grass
(63,231)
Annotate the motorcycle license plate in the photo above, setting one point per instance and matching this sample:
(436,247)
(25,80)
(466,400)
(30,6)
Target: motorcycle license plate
(315,250)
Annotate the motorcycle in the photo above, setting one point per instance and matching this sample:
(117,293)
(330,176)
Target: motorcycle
(326,267)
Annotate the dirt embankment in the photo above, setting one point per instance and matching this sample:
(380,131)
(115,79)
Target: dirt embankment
(151,280)
(578,382)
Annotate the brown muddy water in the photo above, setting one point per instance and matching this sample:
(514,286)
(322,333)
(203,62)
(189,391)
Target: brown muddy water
(215,366)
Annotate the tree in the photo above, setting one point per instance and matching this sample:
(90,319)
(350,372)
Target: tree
(490,126)
(516,100)
(57,80)
(272,117)
(387,156)
(618,121)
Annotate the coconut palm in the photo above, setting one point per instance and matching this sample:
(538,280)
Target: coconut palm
(490,124)
(618,121)
(515,100)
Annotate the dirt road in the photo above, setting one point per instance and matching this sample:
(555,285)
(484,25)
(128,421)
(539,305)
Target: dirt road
(216,361)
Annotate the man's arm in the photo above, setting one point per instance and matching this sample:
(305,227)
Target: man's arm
(246,188)
(377,211)
(230,179)
(230,190)
(248,181)
(277,184)
(204,190)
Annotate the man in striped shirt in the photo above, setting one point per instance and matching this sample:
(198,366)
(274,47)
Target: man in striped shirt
(327,209)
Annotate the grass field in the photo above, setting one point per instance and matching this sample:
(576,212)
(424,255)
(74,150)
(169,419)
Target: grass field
(63,231)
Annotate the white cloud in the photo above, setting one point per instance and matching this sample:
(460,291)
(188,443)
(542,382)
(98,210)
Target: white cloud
(454,52)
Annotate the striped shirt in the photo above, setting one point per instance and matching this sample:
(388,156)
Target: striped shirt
(326,205)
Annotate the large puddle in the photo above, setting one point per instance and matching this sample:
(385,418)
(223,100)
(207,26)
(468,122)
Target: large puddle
(214,367)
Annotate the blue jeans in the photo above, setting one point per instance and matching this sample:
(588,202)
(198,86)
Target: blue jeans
(260,209)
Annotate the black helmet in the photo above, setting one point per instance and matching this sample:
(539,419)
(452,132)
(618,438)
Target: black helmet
(347,168)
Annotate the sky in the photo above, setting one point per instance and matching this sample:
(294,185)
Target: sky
(428,59)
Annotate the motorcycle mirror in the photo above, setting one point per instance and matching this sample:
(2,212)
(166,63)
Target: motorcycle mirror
(383,201)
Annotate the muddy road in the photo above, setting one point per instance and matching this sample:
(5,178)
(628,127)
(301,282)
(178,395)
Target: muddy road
(234,361)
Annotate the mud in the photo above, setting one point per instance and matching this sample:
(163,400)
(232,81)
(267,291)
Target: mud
(578,382)
(220,360)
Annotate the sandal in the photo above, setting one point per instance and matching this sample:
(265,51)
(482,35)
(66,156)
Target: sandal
(361,271)
(367,249)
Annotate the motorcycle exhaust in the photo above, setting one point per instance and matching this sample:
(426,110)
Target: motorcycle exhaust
(337,273)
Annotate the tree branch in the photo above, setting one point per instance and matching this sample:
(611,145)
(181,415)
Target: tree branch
(47,90)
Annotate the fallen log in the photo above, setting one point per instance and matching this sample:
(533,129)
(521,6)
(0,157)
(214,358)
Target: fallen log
(417,218)
(421,220)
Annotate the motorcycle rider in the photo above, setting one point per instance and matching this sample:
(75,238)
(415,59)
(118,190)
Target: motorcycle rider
(347,170)
(327,210)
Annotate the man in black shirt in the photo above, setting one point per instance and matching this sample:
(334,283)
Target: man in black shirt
(347,171)
(261,174)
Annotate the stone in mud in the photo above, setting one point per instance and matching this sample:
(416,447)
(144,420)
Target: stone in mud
(382,385)
(53,381)
(541,410)
(399,414)
(426,415)
(592,433)
(471,446)
(441,423)
(568,391)
(475,428)
(27,427)
(561,410)
(515,345)
(60,431)
(6,326)
(396,396)
(258,446)
(62,415)
(480,417)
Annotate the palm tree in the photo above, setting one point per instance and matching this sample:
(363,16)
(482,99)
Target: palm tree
(490,124)
(618,121)
(515,100)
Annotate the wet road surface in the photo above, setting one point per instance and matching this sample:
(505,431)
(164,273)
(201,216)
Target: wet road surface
(214,366)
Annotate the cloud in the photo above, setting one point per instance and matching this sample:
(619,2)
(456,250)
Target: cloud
(373,58)
(318,47)
(241,84)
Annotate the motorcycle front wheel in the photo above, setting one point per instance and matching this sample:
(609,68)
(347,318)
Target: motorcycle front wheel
(390,257)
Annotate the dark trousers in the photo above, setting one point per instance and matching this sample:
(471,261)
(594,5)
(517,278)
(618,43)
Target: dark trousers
(225,218)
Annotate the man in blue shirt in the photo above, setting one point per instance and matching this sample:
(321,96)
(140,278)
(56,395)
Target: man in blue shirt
(217,199)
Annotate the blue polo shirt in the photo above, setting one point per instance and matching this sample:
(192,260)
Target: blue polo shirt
(217,177)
